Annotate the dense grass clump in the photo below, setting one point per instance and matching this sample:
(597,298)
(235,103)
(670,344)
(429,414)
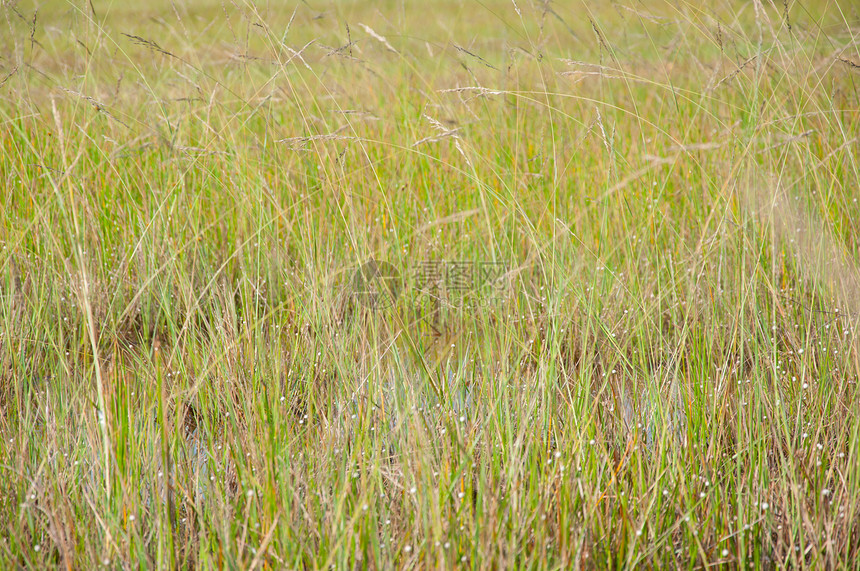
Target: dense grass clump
(616,326)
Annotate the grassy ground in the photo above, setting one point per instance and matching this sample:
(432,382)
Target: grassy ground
(625,329)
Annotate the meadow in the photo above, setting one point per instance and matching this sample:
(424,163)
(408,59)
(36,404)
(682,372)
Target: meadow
(615,324)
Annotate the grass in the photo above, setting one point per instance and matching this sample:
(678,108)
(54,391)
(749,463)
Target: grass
(659,372)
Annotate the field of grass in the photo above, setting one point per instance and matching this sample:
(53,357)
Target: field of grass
(619,328)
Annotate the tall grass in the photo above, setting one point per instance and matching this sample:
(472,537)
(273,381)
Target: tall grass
(663,375)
